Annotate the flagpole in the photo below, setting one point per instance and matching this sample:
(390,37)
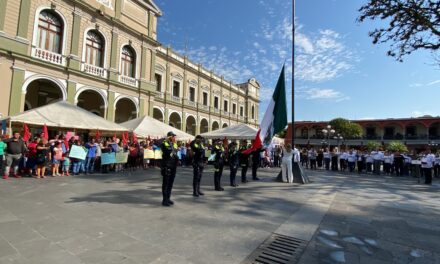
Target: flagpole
(293,74)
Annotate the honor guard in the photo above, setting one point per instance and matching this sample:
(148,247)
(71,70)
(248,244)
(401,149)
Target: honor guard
(233,162)
(256,157)
(244,161)
(219,160)
(198,150)
(168,167)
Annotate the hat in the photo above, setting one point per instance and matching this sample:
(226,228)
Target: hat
(171,134)
(199,137)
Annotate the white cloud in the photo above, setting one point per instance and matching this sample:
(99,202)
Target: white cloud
(321,94)
(417,113)
(433,82)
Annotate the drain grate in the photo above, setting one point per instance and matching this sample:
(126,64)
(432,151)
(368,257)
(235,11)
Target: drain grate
(277,249)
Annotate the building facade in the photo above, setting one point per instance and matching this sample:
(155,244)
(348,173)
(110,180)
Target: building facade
(104,56)
(416,132)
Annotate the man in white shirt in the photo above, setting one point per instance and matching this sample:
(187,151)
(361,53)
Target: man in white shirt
(427,164)
(351,158)
(377,161)
(327,157)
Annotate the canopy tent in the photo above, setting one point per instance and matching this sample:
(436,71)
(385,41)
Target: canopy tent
(149,127)
(63,114)
(240,131)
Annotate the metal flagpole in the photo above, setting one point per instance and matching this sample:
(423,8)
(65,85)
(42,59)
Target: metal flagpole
(293,74)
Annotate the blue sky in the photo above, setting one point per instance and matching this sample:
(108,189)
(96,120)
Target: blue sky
(339,73)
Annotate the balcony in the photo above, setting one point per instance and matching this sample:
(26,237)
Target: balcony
(216,110)
(94,70)
(128,80)
(203,107)
(226,113)
(176,99)
(48,56)
(191,103)
(160,95)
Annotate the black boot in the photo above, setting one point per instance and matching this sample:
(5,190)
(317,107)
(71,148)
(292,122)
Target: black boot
(198,189)
(195,191)
(165,203)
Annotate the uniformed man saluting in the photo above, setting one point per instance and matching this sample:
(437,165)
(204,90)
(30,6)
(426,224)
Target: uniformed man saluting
(198,150)
(219,161)
(233,162)
(244,161)
(169,164)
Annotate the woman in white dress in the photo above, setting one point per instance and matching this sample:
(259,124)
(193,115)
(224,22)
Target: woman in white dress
(286,163)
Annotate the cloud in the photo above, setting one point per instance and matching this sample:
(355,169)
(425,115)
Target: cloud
(417,113)
(321,94)
(431,83)
(322,56)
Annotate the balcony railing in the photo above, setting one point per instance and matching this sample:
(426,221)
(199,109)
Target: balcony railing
(176,99)
(216,110)
(128,80)
(48,56)
(191,103)
(94,70)
(160,95)
(204,107)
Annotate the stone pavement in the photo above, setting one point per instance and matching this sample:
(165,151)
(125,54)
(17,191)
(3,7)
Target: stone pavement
(118,219)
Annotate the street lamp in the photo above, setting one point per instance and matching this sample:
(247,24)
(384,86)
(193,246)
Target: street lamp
(338,137)
(328,133)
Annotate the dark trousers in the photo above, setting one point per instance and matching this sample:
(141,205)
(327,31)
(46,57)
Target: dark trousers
(313,164)
(360,165)
(428,175)
(369,166)
(334,164)
(233,170)
(377,167)
(436,170)
(351,166)
(243,173)
(343,164)
(254,171)
(387,168)
(218,175)
(327,163)
(197,177)
(398,168)
(168,175)
(1,163)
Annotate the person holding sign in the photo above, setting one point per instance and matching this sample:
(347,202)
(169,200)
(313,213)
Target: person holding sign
(219,161)
(170,160)
(198,150)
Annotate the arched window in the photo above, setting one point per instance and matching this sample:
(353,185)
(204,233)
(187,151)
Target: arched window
(95,48)
(50,32)
(128,61)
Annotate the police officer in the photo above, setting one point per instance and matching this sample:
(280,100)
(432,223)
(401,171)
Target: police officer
(168,168)
(244,161)
(198,150)
(233,162)
(219,161)
(256,163)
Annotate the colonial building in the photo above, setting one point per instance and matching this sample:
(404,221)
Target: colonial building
(416,132)
(104,56)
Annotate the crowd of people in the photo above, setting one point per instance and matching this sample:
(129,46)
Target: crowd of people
(378,161)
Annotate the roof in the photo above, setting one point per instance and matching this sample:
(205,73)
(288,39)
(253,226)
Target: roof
(240,131)
(149,127)
(63,114)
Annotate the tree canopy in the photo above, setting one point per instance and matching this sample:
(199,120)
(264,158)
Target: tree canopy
(411,25)
(395,146)
(346,128)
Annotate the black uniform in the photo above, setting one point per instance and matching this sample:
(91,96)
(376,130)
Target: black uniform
(218,165)
(198,165)
(233,165)
(255,163)
(168,169)
(244,163)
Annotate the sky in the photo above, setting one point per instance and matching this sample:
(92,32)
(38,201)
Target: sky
(338,71)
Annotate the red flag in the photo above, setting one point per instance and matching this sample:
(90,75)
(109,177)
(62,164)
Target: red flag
(134,138)
(255,145)
(26,133)
(45,133)
(97,135)
(124,138)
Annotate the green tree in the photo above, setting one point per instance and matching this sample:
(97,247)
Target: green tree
(372,145)
(409,25)
(346,128)
(395,146)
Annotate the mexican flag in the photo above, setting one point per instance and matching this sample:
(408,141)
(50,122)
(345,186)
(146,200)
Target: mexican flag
(275,117)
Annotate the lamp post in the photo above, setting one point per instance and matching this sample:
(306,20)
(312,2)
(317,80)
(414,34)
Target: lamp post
(338,137)
(328,132)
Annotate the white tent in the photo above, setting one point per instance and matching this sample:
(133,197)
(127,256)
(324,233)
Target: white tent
(149,127)
(63,114)
(240,131)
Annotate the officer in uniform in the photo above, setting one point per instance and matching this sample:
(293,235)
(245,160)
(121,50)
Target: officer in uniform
(168,167)
(198,150)
(256,163)
(219,161)
(244,161)
(233,162)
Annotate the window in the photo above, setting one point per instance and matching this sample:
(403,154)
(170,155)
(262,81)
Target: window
(205,98)
(241,111)
(253,112)
(95,48)
(192,94)
(234,109)
(176,89)
(158,78)
(215,102)
(128,62)
(225,105)
(50,32)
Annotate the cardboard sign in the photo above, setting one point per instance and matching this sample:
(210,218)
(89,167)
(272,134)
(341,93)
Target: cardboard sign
(108,158)
(158,154)
(148,154)
(78,152)
(207,153)
(121,157)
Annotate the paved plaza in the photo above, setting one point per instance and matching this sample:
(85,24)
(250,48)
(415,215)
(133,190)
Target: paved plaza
(119,219)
